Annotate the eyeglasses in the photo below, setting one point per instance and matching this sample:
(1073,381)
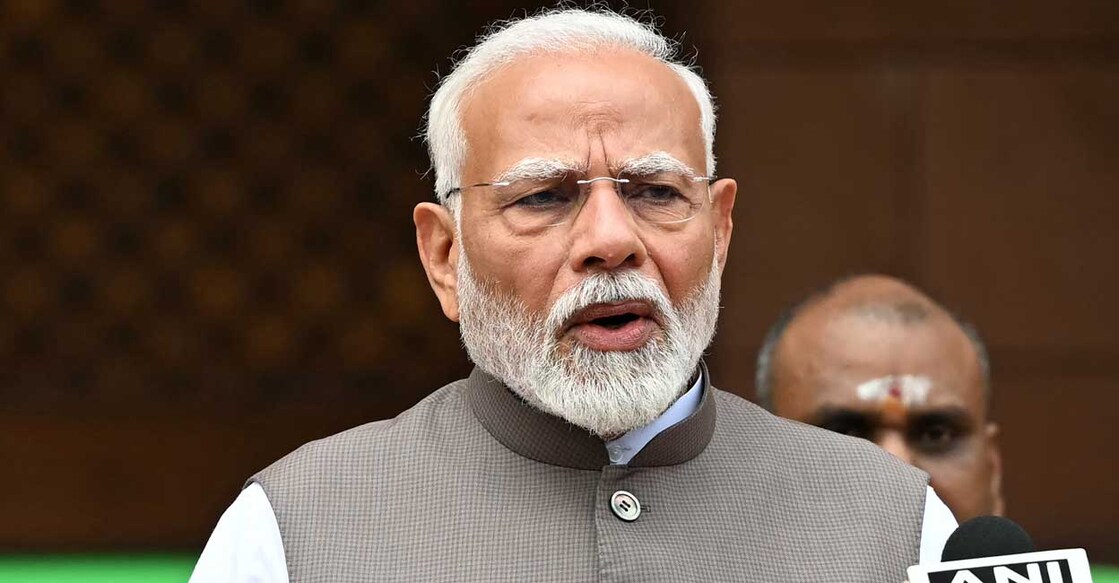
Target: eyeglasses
(663,198)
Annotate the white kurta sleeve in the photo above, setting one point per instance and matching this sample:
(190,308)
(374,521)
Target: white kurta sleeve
(936,527)
(245,546)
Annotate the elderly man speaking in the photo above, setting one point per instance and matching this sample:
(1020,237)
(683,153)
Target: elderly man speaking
(579,240)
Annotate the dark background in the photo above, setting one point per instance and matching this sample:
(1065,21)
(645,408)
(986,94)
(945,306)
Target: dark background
(207,256)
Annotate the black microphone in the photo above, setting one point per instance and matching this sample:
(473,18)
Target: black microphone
(986,536)
(991,549)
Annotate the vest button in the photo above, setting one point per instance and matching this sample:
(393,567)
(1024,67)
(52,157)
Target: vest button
(625,506)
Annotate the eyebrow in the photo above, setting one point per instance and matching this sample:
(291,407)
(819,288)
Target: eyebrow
(537,169)
(957,416)
(954,415)
(655,163)
(547,168)
(828,415)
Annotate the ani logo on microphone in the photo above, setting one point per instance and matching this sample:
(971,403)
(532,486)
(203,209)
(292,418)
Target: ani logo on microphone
(1063,566)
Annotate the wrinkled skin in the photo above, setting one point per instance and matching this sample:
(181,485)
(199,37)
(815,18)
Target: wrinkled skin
(600,110)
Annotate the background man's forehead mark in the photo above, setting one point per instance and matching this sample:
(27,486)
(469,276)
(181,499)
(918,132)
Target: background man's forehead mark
(909,389)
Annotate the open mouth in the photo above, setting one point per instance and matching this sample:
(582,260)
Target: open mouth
(615,322)
(613,327)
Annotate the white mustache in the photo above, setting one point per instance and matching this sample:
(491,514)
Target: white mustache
(607,393)
(609,288)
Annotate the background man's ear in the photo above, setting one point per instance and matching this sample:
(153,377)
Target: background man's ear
(438,247)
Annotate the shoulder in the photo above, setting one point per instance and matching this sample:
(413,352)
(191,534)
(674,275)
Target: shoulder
(441,413)
(246,544)
(838,480)
(797,447)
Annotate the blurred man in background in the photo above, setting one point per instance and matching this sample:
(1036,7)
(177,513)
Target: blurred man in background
(873,357)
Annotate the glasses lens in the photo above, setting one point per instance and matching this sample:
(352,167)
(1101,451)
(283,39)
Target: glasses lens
(656,199)
(532,204)
(664,198)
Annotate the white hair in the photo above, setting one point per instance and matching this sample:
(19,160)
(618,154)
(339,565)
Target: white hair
(553,31)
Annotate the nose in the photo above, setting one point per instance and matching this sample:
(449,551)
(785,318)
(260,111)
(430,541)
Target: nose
(604,234)
(894,443)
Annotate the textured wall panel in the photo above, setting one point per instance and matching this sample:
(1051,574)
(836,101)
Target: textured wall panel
(206,248)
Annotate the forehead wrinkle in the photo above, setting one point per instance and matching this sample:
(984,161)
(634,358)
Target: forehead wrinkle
(538,168)
(654,163)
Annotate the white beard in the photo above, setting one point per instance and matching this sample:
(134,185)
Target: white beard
(606,392)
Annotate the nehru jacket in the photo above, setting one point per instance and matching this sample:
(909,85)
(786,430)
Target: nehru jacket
(473,484)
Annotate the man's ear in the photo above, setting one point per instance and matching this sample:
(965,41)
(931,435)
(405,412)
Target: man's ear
(723,193)
(438,247)
(998,506)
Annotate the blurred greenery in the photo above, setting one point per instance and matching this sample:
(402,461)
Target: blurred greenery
(96,568)
(1105,574)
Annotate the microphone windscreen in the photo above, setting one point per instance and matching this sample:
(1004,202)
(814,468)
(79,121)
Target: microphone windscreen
(986,536)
